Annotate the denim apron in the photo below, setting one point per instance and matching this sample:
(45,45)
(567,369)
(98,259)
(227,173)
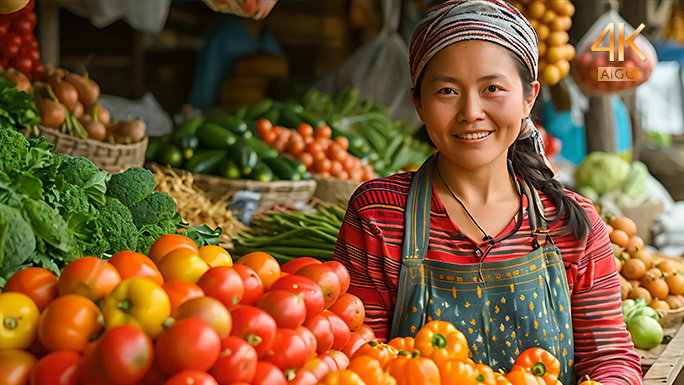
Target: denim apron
(502,307)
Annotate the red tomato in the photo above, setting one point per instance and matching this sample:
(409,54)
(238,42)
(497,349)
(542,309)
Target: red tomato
(209,310)
(340,330)
(236,363)
(340,358)
(318,367)
(342,273)
(167,243)
(130,264)
(323,132)
(268,374)
(126,353)
(292,266)
(321,328)
(287,308)
(224,284)
(350,308)
(12,44)
(289,350)
(263,127)
(37,283)
(355,342)
(266,267)
(194,377)
(57,368)
(89,277)
(69,322)
(188,344)
(303,377)
(327,280)
(366,332)
(309,340)
(255,326)
(329,362)
(254,288)
(305,130)
(15,366)
(343,142)
(180,292)
(313,296)
(22,63)
(154,376)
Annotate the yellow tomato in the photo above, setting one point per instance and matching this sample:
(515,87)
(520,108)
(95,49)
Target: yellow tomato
(138,302)
(19,320)
(215,256)
(183,265)
(15,366)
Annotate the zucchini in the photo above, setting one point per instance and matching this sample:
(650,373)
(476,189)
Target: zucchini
(313,119)
(169,155)
(240,112)
(282,168)
(153,145)
(189,127)
(232,123)
(259,109)
(213,136)
(264,150)
(245,157)
(295,163)
(290,119)
(272,115)
(261,173)
(187,144)
(205,161)
(227,168)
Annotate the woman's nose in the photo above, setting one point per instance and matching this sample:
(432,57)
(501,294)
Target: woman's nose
(470,109)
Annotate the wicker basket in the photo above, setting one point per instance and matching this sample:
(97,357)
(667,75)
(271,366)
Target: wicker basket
(671,318)
(272,193)
(109,157)
(335,190)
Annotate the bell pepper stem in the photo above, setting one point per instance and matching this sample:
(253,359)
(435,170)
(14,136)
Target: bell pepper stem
(10,323)
(538,369)
(416,353)
(125,305)
(480,378)
(439,341)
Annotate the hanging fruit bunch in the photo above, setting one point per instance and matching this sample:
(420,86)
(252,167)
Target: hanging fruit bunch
(552,20)
(18,44)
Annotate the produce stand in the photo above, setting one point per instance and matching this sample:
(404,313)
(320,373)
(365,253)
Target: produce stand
(663,364)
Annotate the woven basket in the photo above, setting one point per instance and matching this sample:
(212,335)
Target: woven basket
(109,157)
(671,318)
(272,193)
(335,190)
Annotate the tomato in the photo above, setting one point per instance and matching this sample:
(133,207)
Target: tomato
(313,296)
(193,377)
(323,132)
(188,344)
(343,142)
(237,361)
(69,322)
(154,376)
(302,377)
(38,283)
(340,358)
(255,326)
(350,308)
(209,310)
(181,291)
(318,367)
(366,332)
(15,366)
(90,277)
(355,342)
(12,44)
(215,256)
(138,302)
(183,264)
(266,267)
(130,264)
(167,243)
(321,328)
(342,273)
(57,368)
(224,284)
(263,127)
(289,350)
(254,288)
(268,374)
(287,308)
(18,321)
(292,266)
(309,340)
(329,361)
(121,356)
(340,329)
(325,276)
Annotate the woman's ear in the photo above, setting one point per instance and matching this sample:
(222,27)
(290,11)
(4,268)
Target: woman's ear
(529,101)
(416,103)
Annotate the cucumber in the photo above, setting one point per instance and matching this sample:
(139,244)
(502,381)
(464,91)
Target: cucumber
(282,168)
(189,127)
(261,173)
(259,109)
(272,115)
(296,163)
(169,155)
(213,136)
(187,144)
(245,157)
(264,150)
(232,123)
(228,169)
(313,119)
(290,119)
(240,112)
(205,161)
(153,145)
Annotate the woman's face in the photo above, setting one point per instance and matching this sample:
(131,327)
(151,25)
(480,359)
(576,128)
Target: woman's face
(471,101)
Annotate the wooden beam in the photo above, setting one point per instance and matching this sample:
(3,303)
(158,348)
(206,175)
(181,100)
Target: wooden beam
(48,31)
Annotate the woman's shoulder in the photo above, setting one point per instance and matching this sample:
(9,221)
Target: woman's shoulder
(585,203)
(388,191)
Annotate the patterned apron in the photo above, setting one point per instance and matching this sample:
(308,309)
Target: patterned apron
(503,307)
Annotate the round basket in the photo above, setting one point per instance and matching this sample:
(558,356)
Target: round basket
(108,157)
(272,193)
(335,190)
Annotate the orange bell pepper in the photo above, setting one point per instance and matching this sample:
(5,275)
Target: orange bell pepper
(381,352)
(585,380)
(370,371)
(458,372)
(523,376)
(441,341)
(406,344)
(541,363)
(489,376)
(343,377)
(409,370)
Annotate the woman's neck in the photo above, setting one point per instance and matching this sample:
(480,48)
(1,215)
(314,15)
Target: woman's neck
(482,186)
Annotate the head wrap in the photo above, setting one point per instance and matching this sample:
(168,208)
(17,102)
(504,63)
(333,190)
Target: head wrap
(495,21)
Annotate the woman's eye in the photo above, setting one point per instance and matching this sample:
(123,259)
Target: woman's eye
(447,91)
(493,88)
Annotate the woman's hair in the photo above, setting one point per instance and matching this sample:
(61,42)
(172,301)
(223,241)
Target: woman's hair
(532,168)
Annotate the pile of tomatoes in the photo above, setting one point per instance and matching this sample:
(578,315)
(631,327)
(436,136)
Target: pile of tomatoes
(18,44)
(182,315)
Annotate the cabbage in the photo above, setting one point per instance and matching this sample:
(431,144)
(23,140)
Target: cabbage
(602,171)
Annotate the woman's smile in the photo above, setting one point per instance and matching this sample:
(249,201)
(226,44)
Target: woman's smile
(473,136)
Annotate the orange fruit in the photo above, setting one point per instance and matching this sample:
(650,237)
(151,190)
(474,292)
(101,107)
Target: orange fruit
(625,224)
(619,238)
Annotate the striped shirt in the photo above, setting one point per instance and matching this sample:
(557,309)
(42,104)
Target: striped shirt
(370,242)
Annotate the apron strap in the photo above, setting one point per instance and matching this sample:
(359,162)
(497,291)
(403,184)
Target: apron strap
(536,211)
(417,213)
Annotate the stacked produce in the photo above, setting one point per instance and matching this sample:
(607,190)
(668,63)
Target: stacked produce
(291,235)
(551,20)
(19,45)
(185,314)
(17,109)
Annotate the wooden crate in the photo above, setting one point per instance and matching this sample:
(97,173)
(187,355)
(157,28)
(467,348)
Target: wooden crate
(664,363)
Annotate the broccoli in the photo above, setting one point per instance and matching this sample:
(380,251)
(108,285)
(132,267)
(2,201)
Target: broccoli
(17,240)
(131,186)
(74,200)
(156,208)
(150,233)
(13,149)
(40,142)
(117,226)
(77,170)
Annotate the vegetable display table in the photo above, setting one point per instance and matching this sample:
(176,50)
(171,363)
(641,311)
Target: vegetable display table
(664,363)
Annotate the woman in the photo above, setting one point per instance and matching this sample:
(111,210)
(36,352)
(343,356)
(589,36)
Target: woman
(481,235)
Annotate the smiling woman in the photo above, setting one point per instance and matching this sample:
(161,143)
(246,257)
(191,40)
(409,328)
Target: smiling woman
(482,235)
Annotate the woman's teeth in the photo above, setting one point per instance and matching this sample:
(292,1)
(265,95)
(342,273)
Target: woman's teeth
(478,135)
